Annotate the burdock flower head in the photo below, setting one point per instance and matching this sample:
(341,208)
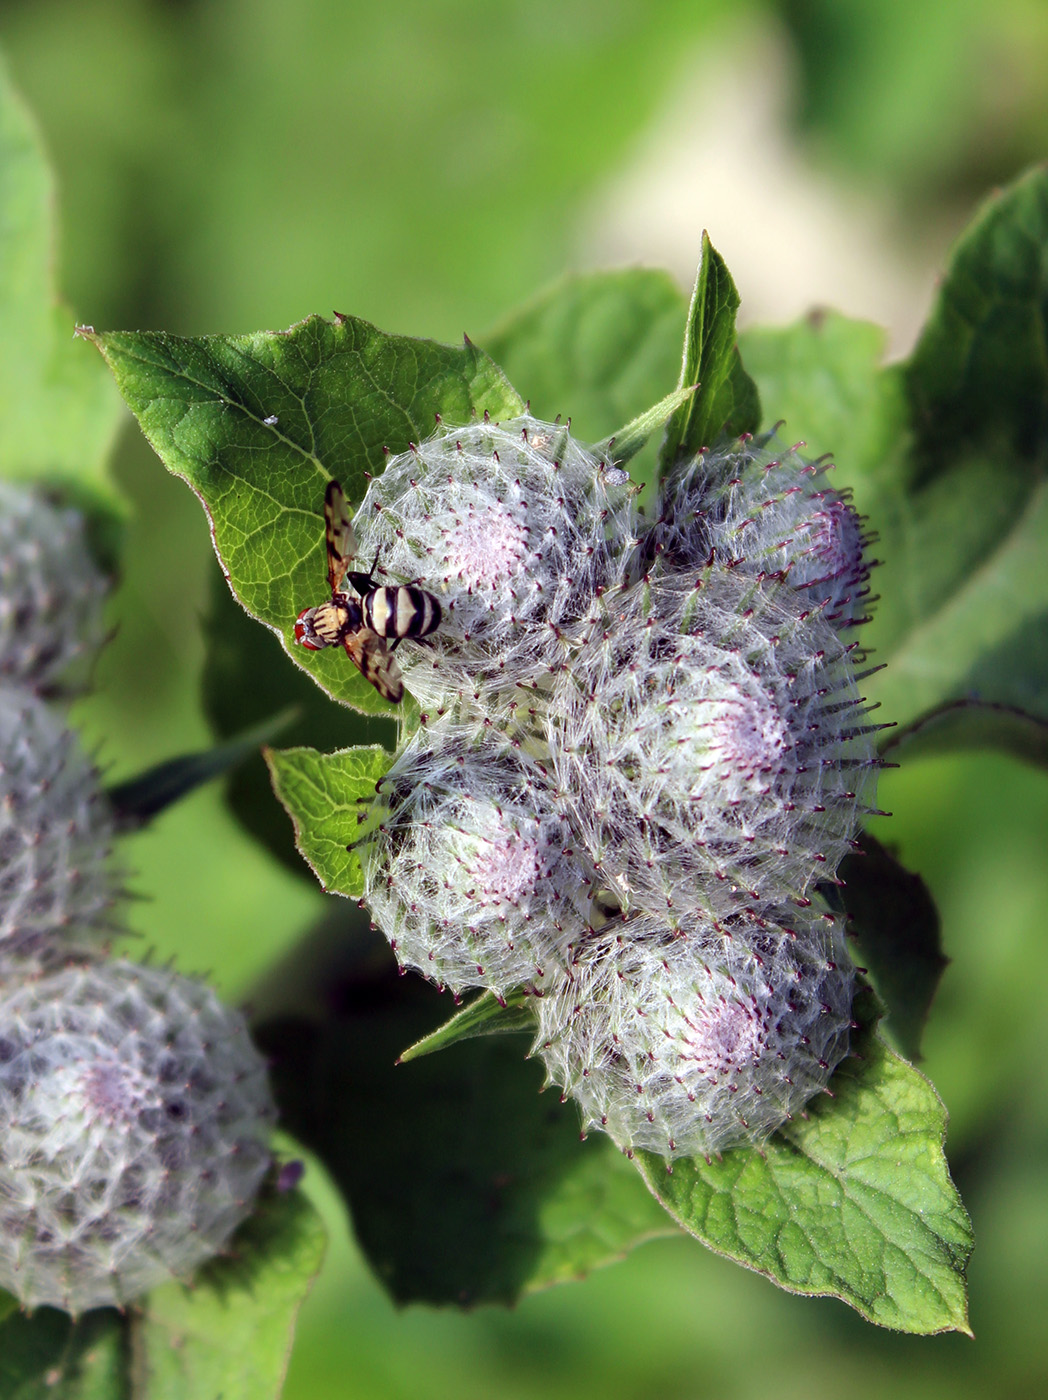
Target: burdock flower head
(644,750)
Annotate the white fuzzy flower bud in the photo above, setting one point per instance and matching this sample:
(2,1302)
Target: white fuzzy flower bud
(472,875)
(647,749)
(689,1041)
(134,1117)
(763,506)
(710,745)
(58,887)
(51,593)
(513,527)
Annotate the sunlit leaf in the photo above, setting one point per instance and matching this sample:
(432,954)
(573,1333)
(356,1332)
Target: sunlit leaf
(725,401)
(485,1015)
(852,1200)
(259,424)
(327,796)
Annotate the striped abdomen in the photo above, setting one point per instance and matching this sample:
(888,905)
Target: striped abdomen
(401,611)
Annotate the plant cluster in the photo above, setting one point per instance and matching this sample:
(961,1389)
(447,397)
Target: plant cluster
(644,750)
(134,1111)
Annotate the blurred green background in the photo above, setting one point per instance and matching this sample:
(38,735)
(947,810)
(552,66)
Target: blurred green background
(229,165)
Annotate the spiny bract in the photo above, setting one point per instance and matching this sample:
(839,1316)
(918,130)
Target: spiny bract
(135,1117)
(51,592)
(58,885)
(643,750)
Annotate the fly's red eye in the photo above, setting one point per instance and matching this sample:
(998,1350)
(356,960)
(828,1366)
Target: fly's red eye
(302,636)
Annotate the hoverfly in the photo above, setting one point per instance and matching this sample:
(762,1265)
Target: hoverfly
(341,622)
(396,610)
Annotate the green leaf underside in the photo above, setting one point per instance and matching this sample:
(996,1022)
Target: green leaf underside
(726,400)
(965,611)
(477,1188)
(485,1015)
(341,393)
(961,512)
(230,1334)
(853,1201)
(896,929)
(59,412)
(49,1356)
(979,373)
(972,724)
(137,800)
(327,797)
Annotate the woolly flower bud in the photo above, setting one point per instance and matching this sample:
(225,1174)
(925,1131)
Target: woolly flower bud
(767,508)
(513,526)
(709,744)
(688,1043)
(58,887)
(472,876)
(51,592)
(134,1116)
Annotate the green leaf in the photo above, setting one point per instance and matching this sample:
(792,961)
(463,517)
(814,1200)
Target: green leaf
(326,795)
(822,376)
(895,924)
(465,1183)
(59,412)
(137,801)
(600,348)
(726,400)
(853,1201)
(229,1333)
(979,373)
(965,591)
(963,609)
(340,393)
(485,1015)
(624,444)
(972,724)
(49,1356)
(246,679)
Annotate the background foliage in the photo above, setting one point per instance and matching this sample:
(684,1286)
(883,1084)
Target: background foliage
(239,163)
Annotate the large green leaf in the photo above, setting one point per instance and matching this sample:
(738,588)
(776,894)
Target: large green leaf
(853,1200)
(895,924)
(979,373)
(259,424)
(229,1334)
(51,1356)
(726,399)
(599,348)
(822,377)
(973,724)
(466,1184)
(327,796)
(961,511)
(58,409)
